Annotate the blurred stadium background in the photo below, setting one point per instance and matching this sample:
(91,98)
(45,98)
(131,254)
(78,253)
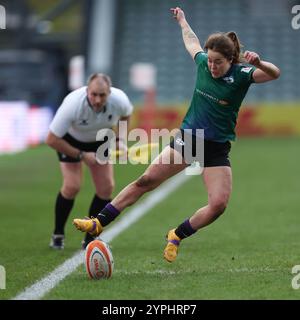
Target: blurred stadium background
(49,48)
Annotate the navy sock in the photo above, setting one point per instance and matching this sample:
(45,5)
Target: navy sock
(63,208)
(108,214)
(184,230)
(97,205)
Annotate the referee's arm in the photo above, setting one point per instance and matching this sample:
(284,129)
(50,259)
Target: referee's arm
(62,146)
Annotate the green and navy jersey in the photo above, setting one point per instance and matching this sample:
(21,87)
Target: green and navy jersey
(216,101)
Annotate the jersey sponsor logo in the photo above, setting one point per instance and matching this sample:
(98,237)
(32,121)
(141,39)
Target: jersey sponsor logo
(216,100)
(207,95)
(246,69)
(229,79)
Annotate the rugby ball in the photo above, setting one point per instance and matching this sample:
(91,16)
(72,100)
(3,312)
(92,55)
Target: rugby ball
(99,262)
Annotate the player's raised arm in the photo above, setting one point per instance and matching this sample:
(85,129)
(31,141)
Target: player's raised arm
(190,39)
(266,71)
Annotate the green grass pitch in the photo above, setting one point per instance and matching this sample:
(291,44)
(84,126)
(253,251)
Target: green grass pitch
(248,253)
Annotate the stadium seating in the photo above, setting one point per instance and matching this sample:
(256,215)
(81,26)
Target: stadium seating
(146,33)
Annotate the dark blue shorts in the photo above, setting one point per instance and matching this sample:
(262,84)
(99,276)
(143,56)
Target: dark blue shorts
(83,146)
(207,153)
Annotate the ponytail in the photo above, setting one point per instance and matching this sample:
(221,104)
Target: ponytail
(236,57)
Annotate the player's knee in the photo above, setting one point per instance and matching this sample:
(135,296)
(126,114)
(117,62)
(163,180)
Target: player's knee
(70,191)
(219,205)
(146,182)
(106,190)
(110,188)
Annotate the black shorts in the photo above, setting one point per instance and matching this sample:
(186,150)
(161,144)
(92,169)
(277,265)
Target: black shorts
(215,154)
(83,146)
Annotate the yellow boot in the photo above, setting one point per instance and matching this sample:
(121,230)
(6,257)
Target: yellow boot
(90,225)
(171,250)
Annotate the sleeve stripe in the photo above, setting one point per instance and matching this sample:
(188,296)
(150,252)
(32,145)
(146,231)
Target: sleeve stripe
(195,56)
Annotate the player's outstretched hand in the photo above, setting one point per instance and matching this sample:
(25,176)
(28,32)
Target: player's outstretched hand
(178,14)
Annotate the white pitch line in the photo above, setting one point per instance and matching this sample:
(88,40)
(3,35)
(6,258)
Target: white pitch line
(40,288)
